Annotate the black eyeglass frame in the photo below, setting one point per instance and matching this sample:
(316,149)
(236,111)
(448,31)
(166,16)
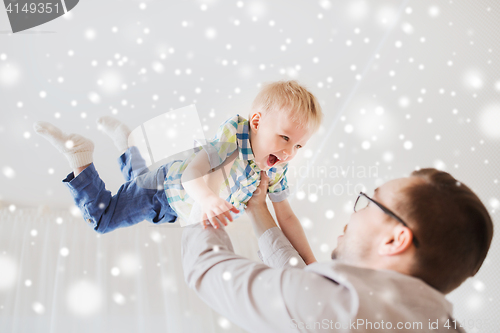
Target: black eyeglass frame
(388,212)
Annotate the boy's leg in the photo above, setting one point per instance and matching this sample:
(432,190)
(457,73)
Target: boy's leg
(77,149)
(137,200)
(132,204)
(132,164)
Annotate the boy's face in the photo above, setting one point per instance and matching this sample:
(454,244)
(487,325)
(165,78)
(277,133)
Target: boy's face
(275,139)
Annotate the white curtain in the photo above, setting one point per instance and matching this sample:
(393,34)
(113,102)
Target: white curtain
(58,275)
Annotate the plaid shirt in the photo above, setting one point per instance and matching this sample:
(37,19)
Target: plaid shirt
(243,178)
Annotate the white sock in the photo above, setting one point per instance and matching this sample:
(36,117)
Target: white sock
(77,149)
(116,130)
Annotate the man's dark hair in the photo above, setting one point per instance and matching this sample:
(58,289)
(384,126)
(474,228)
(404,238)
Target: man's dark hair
(452,225)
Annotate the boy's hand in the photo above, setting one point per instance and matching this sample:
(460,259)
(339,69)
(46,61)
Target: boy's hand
(216,210)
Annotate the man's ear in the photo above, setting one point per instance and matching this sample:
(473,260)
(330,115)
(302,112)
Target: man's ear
(255,121)
(397,242)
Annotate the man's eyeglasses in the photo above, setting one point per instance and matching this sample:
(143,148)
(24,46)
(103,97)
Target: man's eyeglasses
(362,202)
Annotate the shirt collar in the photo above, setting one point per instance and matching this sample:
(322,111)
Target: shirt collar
(243,137)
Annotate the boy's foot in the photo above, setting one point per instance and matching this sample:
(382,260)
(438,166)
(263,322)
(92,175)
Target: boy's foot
(116,130)
(77,149)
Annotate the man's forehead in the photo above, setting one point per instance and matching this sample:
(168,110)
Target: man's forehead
(392,187)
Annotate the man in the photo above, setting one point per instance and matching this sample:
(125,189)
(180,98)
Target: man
(403,249)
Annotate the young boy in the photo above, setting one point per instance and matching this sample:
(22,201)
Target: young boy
(283,117)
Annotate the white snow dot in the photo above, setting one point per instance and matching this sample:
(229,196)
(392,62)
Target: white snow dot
(34,232)
(293,261)
(366,145)
(473,79)
(84,298)
(407,28)
(300,195)
(128,264)
(434,11)
(324,247)
(325,4)
(224,323)
(388,157)
(440,165)
(94,98)
(488,122)
(329,214)
(69,144)
(8,267)
(404,101)
(497,86)
(115,271)
(38,307)
(156,237)
(10,75)
(313,197)
(210,33)
(142,6)
(64,251)
(306,223)
(3,56)
(90,34)
(478,285)
(43,94)
(28,283)
(8,172)
(494,203)
(408,145)
(226,276)
(157,67)
(398,44)
(119,298)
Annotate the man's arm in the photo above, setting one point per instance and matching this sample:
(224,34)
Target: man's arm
(275,249)
(250,294)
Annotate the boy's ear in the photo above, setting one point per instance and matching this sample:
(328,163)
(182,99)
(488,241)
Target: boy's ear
(255,120)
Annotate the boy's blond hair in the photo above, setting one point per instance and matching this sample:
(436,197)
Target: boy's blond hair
(289,96)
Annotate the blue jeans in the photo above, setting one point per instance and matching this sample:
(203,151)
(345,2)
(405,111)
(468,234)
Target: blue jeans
(141,198)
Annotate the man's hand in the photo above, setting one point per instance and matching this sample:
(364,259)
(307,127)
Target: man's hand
(258,198)
(216,210)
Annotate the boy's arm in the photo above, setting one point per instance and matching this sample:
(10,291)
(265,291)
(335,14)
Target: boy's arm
(290,225)
(202,183)
(193,177)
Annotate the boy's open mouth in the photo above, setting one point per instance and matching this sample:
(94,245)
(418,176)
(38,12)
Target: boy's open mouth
(272,160)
